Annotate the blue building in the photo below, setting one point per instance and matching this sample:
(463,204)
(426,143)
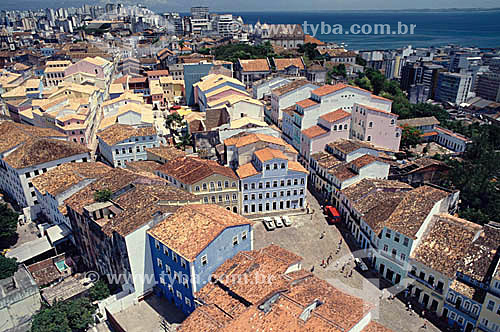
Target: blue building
(271,182)
(190,245)
(192,74)
(463,304)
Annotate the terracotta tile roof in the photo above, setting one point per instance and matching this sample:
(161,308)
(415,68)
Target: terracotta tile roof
(143,165)
(347,146)
(267,154)
(192,227)
(377,207)
(292,293)
(220,307)
(290,87)
(463,288)
(254,65)
(308,39)
(342,172)
(363,161)
(367,186)
(418,122)
(246,170)
(451,133)
(144,201)
(429,134)
(297,167)
(119,132)
(335,116)
(381,98)
(307,103)
(114,180)
(314,131)
(13,134)
(376,327)
(63,177)
(246,139)
(189,170)
(410,214)
(162,72)
(166,152)
(282,64)
(137,80)
(38,151)
(444,243)
(481,255)
(327,89)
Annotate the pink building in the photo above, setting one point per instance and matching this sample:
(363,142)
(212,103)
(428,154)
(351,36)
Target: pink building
(331,127)
(375,126)
(95,66)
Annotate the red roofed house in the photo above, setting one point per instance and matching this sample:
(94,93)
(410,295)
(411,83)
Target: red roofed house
(249,71)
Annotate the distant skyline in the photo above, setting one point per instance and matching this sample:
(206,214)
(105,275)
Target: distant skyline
(262,5)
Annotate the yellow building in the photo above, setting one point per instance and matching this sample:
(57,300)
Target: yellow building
(216,184)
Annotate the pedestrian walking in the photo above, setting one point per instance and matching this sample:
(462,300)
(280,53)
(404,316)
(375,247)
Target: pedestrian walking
(322,235)
(312,268)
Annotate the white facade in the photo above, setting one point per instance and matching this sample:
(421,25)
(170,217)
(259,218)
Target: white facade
(131,149)
(279,103)
(17,182)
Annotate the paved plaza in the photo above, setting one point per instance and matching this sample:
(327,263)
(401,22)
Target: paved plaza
(312,238)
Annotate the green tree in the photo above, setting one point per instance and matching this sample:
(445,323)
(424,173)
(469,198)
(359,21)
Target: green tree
(185,140)
(103,195)
(67,316)
(99,291)
(310,51)
(8,221)
(363,83)
(8,266)
(410,137)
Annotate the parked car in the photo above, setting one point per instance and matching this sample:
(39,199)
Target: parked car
(268,222)
(359,262)
(287,221)
(278,222)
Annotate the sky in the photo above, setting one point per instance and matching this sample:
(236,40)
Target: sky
(262,5)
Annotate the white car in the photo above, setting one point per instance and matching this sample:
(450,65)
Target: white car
(287,221)
(268,222)
(278,222)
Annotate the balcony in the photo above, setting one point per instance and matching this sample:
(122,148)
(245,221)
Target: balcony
(391,258)
(459,307)
(426,283)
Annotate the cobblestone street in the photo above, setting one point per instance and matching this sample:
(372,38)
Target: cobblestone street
(312,238)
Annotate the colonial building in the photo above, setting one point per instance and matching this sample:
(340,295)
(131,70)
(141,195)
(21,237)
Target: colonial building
(371,117)
(111,235)
(26,152)
(188,246)
(206,179)
(53,187)
(271,182)
(120,143)
(249,71)
(388,219)
(287,95)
